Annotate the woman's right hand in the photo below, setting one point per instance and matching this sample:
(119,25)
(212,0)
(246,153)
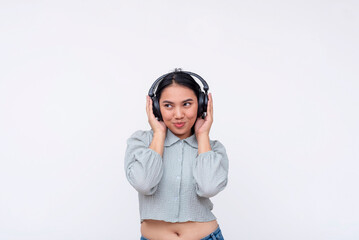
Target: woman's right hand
(157,126)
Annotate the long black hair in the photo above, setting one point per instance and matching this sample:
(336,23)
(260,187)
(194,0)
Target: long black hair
(180,78)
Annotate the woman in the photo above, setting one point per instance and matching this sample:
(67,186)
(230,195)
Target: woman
(175,167)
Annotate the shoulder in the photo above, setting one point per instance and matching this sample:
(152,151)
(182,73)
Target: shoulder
(141,135)
(217,146)
(215,143)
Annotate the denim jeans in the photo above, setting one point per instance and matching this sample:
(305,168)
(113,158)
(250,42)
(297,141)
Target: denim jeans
(216,235)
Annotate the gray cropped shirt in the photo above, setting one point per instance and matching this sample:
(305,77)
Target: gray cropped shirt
(177,186)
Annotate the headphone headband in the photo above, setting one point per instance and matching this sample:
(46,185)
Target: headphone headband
(204,83)
(202,97)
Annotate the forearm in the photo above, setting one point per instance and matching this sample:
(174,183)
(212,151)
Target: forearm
(210,170)
(143,166)
(157,143)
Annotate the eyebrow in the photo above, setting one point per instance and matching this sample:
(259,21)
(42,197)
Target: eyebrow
(187,100)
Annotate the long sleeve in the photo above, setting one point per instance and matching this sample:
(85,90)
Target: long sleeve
(143,166)
(210,170)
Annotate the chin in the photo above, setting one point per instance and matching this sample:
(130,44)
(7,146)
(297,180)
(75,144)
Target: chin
(181,132)
(178,131)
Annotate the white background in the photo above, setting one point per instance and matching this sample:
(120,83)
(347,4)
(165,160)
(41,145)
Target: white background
(284,78)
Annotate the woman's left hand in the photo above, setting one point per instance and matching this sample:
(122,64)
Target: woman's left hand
(203,126)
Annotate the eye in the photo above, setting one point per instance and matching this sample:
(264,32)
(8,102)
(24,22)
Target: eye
(187,103)
(167,105)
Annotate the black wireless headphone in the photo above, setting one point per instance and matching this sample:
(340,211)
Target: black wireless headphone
(202,98)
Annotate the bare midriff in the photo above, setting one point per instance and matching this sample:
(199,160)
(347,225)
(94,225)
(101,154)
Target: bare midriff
(161,230)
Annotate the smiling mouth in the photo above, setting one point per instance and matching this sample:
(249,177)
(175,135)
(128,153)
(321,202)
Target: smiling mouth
(179,124)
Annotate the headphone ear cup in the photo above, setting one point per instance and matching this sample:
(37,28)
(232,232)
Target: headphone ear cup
(200,104)
(156,108)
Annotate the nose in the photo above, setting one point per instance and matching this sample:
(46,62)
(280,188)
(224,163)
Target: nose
(179,113)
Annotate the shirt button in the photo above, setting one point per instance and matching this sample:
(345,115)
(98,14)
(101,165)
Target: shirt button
(178,177)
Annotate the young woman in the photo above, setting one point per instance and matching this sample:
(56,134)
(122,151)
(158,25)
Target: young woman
(175,167)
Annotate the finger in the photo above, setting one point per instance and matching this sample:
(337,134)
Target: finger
(147,107)
(151,108)
(210,104)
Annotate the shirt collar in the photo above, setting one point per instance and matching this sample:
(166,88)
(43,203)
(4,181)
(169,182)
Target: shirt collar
(171,139)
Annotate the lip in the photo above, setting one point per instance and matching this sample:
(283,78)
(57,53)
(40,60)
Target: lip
(179,125)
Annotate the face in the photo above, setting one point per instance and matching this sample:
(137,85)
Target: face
(179,105)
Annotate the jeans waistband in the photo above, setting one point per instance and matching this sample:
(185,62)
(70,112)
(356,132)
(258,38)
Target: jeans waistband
(210,236)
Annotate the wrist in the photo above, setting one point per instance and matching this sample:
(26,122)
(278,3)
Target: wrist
(203,143)
(202,135)
(159,135)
